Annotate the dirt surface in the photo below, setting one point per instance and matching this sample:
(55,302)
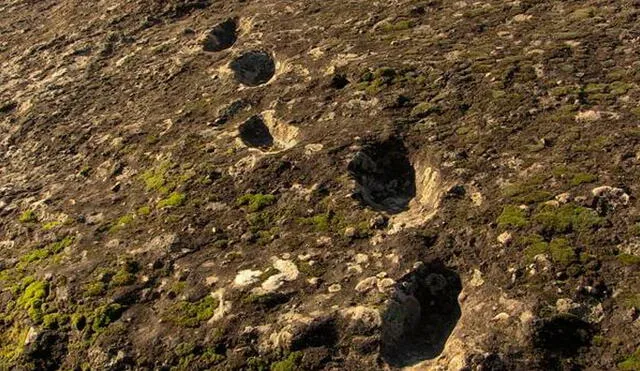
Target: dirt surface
(319,185)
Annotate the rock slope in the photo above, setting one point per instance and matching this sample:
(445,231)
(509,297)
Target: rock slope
(319,185)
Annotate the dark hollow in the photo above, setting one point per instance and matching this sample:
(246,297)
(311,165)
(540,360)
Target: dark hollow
(384,176)
(253,68)
(221,37)
(421,316)
(254,133)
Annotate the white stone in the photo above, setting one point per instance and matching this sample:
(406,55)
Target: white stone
(246,277)
(366,284)
(336,287)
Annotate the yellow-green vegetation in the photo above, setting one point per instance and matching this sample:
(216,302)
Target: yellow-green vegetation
(191,314)
(33,297)
(28,216)
(535,245)
(47,251)
(320,222)
(175,199)
(311,270)
(105,315)
(123,278)
(291,363)
(11,345)
(567,218)
(397,26)
(376,81)
(512,216)
(257,364)
(425,109)
(160,180)
(55,320)
(78,321)
(629,300)
(122,222)
(631,363)
(84,172)
(37,254)
(190,357)
(635,230)
(529,191)
(95,289)
(256,201)
(156,178)
(582,178)
(144,210)
(628,259)
(562,252)
(126,275)
(51,225)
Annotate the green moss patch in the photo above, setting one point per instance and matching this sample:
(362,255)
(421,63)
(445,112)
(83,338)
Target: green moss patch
(562,252)
(583,178)
(105,315)
(631,363)
(33,297)
(256,202)
(512,216)
(567,218)
(291,363)
(28,216)
(628,259)
(191,314)
(175,199)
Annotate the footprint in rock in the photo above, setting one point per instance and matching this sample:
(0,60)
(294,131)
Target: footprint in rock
(222,36)
(253,68)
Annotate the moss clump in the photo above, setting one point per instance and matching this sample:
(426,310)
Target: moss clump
(105,315)
(78,321)
(51,225)
(567,218)
(32,299)
(55,320)
(528,192)
(425,109)
(320,223)
(628,259)
(257,364)
(632,363)
(37,254)
(94,289)
(144,210)
(398,26)
(155,179)
(191,314)
(582,178)
(184,349)
(562,252)
(122,222)
(58,246)
(535,245)
(256,202)
(291,363)
(123,278)
(28,216)
(312,270)
(11,345)
(512,216)
(209,357)
(175,199)
(375,81)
